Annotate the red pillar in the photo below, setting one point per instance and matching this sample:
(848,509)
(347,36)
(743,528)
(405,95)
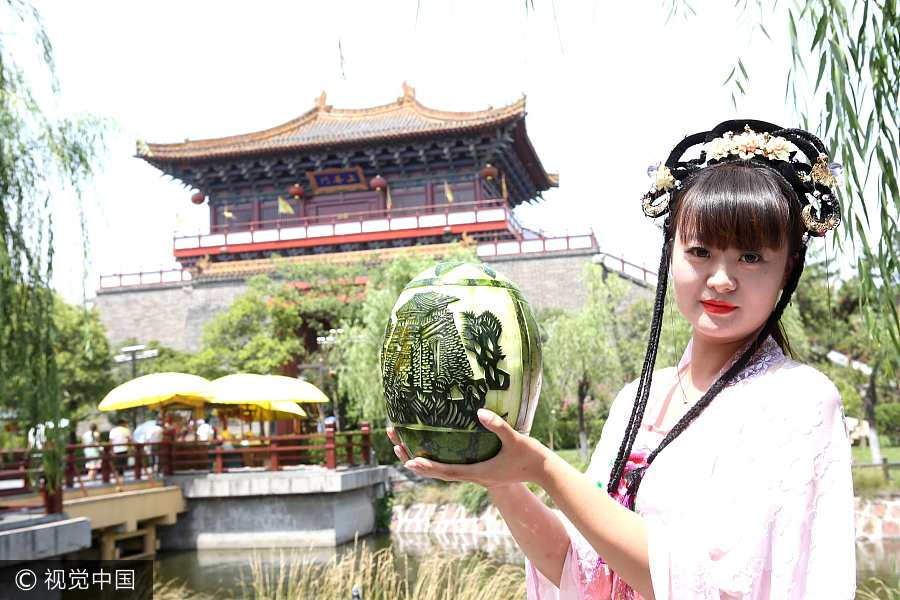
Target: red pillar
(366,443)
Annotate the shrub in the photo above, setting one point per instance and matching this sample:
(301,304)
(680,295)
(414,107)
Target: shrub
(473,497)
(887,418)
(566,435)
(384,508)
(868,481)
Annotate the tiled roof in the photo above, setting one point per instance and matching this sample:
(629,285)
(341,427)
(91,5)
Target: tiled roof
(324,125)
(239,269)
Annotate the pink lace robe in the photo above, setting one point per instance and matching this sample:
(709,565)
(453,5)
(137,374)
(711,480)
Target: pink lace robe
(754,500)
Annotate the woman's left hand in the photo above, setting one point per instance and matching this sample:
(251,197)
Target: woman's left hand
(521,458)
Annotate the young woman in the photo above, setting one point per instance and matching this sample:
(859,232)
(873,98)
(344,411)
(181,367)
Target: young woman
(727,476)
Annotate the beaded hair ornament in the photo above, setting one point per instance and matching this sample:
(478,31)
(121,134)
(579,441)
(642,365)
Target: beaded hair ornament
(796,155)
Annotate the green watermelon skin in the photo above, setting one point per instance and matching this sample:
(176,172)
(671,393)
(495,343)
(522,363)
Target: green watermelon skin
(452,447)
(460,337)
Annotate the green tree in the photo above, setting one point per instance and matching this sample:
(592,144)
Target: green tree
(593,352)
(277,321)
(38,155)
(83,357)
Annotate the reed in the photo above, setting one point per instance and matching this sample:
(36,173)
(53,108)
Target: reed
(173,589)
(875,588)
(380,575)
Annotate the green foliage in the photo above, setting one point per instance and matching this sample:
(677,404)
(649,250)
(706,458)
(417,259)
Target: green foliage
(83,357)
(38,156)
(276,321)
(358,348)
(473,497)
(597,350)
(887,419)
(384,509)
(871,481)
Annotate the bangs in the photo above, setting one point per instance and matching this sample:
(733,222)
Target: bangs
(737,206)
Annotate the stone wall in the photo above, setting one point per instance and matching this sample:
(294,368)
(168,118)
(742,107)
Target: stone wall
(547,281)
(308,506)
(172,315)
(175,315)
(878,518)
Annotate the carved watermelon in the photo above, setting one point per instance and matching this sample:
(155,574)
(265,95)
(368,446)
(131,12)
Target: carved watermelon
(460,337)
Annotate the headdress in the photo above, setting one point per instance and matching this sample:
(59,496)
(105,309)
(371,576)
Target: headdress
(797,155)
(800,159)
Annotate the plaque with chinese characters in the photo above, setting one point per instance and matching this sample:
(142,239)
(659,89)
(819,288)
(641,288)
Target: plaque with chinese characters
(337,180)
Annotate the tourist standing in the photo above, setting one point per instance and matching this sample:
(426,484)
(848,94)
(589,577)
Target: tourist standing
(89,439)
(119,437)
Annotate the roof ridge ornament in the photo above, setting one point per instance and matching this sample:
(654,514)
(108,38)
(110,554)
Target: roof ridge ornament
(409,92)
(320,102)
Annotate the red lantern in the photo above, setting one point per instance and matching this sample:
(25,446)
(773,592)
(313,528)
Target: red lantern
(198,198)
(296,191)
(378,183)
(489,172)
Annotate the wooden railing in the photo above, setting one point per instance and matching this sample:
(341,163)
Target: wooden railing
(169,457)
(885,467)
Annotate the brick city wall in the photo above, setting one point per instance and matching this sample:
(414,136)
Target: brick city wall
(172,315)
(175,315)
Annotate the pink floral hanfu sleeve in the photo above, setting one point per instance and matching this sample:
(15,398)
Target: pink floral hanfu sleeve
(585,575)
(777,522)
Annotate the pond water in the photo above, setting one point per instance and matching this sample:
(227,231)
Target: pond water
(213,571)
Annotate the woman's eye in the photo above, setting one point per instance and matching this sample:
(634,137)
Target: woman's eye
(698,252)
(751,257)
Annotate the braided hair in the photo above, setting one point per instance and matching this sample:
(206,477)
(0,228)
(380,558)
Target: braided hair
(792,163)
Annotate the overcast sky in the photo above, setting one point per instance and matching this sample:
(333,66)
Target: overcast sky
(610,89)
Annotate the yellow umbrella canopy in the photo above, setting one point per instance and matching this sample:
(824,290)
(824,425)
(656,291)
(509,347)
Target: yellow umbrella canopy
(280,409)
(264,390)
(157,390)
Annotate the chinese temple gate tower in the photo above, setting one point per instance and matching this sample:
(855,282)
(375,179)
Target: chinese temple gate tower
(338,180)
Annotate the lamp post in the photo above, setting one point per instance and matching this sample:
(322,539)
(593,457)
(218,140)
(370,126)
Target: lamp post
(133,354)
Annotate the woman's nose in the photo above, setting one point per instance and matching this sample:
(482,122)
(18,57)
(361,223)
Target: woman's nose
(721,280)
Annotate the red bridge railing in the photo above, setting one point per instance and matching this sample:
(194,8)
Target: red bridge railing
(330,449)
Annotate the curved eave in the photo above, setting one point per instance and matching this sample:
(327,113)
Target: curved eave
(266,141)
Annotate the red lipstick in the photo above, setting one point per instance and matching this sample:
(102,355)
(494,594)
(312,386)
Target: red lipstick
(717,307)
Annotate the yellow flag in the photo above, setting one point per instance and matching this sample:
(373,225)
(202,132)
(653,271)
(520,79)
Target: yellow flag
(228,214)
(284,207)
(448,192)
(389,202)
(504,188)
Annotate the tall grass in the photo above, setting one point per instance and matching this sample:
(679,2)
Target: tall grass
(380,575)
(173,589)
(878,589)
